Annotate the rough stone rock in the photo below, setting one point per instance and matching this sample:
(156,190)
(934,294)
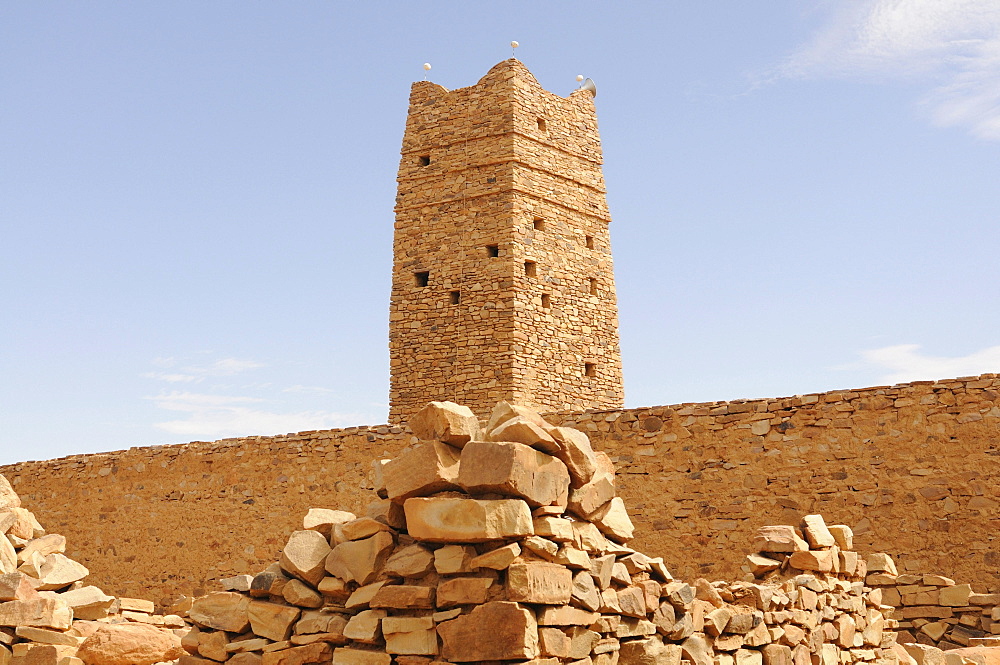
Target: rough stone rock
(300,594)
(777,654)
(879,562)
(558,529)
(513,634)
(268,583)
(539,583)
(554,642)
(585,592)
(365,626)
(212,645)
(236,583)
(427,468)
(613,520)
(40,613)
(504,411)
(566,616)
(334,587)
(781,539)
(360,560)
(88,603)
(522,430)
(761,565)
(453,559)
(362,596)
(348,656)
(843,535)
(462,591)
(16,586)
(318,652)
(650,651)
(362,527)
(25,525)
(813,560)
(467,520)
(59,571)
(221,610)
(576,453)
(271,620)
(447,422)
(245,658)
(324,519)
(513,469)
(48,636)
(8,556)
(816,533)
(589,497)
(130,644)
(698,649)
(8,497)
(47,544)
(417,642)
(411,561)
(403,597)
(925,654)
(955,596)
(304,556)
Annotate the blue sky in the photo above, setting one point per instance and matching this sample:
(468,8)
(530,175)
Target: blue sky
(196,200)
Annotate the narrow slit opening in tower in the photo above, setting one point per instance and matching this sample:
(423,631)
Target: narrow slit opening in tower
(421,278)
(589,241)
(492,251)
(541,124)
(530,269)
(590,369)
(538,223)
(456,297)
(424,160)
(546,301)
(592,285)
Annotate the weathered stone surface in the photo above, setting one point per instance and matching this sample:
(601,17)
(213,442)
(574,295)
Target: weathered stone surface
(816,533)
(453,559)
(360,560)
(496,559)
(814,560)
(513,634)
(418,642)
(8,556)
(955,596)
(467,520)
(403,597)
(48,636)
(130,644)
(271,620)
(301,594)
(365,626)
(613,520)
(47,544)
(585,592)
(513,469)
(429,467)
(88,602)
(558,529)
(304,556)
(761,565)
(522,430)
(844,537)
(318,652)
(589,497)
(576,453)
(8,497)
(59,571)
(447,422)
(698,649)
(16,586)
(348,656)
(41,613)
(780,539)
(25,525)
(362,596)
(411,561)
(650,651)
(566,616)
(539,583)
(362,527)
(462,591)
(245,658)
(324,519)
(878,562)
(222,610)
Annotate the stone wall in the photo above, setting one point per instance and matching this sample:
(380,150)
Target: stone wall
(913,469)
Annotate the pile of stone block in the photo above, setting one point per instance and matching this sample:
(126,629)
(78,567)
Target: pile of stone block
(508,543)
(48,616)
(934,610)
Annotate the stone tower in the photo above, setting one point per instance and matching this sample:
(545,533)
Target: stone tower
(502,283)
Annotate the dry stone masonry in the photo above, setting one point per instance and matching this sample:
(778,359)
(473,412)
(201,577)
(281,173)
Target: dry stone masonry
(508,543)
(502,285)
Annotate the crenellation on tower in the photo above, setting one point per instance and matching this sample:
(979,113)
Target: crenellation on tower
(503,284)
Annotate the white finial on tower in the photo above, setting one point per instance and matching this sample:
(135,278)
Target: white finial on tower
(579,79)
(513,45)
(427,68)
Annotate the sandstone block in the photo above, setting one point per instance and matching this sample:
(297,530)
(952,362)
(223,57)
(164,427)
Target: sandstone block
(467,520)
(424,469)
(454,559)
(319,621)
(59,571)
(356,529)
(572,557)
(245,658)
(212,645)
(879,562)
(365,626)
(304,556)
(418,642)
(360,560)
(601,568)
(403,597)
(271,620)
(25,526)
(301,594)
(40,613)
(554,642)
(504,411)
(540,583)
(48,636)
(130,644)
(613,520)
(585,592)
(589,497)
(750,657)
(843,535)
(816,532)
(462,591)
(47,544)
(924,654)
(698,649)
(761,565)
(221,610)
(513,469)
(813,560)
(411,561)
(269,582)
(513,634)
(554,528)
(780,539)
(522,430)
(334,587)
(8,497)
(319,652)
(632,602)
(649,651)
(496,559)
(588,537)
(348,656)
(955,596)
(236,583)
(8,556)
(447,422)
(566,616)
(16,586)
(576,453)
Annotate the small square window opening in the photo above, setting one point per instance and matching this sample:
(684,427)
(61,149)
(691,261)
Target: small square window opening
(421,278)
(456,297)
(530,269)
(589,241)
(538,223)
(546,301)
(492,251)
(590,369)
(541,124)
(424,160)
(592,285)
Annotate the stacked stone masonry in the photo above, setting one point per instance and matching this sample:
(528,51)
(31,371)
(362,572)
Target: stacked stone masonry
(502,285)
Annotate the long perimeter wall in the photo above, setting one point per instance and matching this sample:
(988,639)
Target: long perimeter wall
(914,469)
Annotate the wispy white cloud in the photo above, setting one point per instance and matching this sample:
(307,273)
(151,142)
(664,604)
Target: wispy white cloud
(905,362)
(319,390)
(198,373)
(953,46)
(208,416)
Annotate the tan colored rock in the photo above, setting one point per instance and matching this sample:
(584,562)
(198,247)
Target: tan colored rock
(365,626)
(360,560)
(130,644)
(427,468)
(649,651)
(717,620)
(40,613)
(453,559)
(89,602)
(403,597)
(8,556)
(25,525)
(539,583)
(513,634)
(212,645)
(504,411)
(813,560)
(781,539)
(245,658)
(48,636)
(542,547)
(319,652)
(467,520)
(613,520)
(47,544)
(816,532)
(362,527)
(522,430)
(58,571)
(955,596)
(924,654)
(362,596)
(566,616)
(319,621)
(8,497)
(411,561)
(585,592)
(589,538)
(761,565)
(462,591)
(576,453)
(589,497)
(334,588)
(843,535)
(879,562)
(698,649)
(447,422)
(554,642)
(16,586)
(749,657)
(271,620)
(221,610)
(496,559)
(304,556)
(301,594)
(632,602)
(348,656)
(418,642)
(558,529)
(513,469)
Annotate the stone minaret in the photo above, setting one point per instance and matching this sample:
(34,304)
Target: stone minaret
(502,282)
